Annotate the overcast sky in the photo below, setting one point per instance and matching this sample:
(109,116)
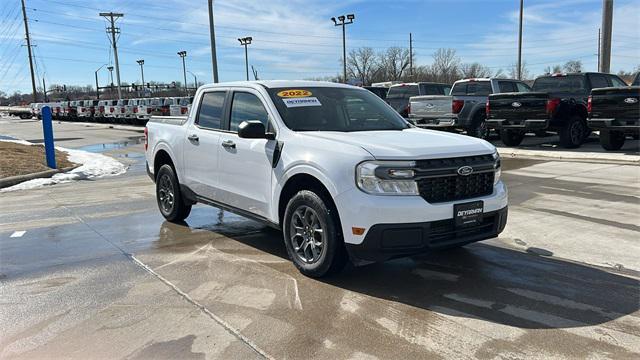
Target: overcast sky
(294,39)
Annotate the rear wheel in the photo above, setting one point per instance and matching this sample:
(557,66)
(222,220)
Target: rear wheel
(478,127)
(312,235)
(612,140)
(169,197)
(572,135)
(511,137)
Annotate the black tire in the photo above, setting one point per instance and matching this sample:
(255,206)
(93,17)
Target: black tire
(612,140)
(306,213)
(169,197)
(511,137)
(478,127)
(572,134)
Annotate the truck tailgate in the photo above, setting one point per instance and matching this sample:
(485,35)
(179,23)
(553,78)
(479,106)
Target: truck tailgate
(518,106)
(616,103)
(430,106)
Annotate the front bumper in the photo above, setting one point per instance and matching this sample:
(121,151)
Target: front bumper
(358,209)
(529,124)
(387,241)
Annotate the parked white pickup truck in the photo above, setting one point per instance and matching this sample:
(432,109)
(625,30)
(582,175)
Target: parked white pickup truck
(336,168)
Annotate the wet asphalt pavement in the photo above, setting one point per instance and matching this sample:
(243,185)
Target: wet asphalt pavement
(99,274)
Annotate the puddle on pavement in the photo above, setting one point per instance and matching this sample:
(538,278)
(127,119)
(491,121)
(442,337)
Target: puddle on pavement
(98,148)
(4,137)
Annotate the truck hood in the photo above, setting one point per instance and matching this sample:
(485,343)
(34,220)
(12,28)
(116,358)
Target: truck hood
(408,144)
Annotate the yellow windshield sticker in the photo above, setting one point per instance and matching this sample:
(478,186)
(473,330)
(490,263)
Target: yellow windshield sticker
(294,93)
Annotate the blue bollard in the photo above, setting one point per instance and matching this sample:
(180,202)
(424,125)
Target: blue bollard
(47,129)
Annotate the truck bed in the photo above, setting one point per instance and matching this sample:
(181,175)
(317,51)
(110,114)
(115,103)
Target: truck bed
(615,107)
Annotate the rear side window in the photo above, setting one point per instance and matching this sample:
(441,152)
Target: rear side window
(403,92)
(507,86)
(617,82)
(560,84)
(247,107)
(598,81)
(523,87)
(210,114)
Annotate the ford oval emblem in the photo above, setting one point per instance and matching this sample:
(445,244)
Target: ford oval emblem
(465,170)
(631,100)
(429,106)
(516,104)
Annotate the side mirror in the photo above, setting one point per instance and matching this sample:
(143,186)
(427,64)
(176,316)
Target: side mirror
(252,129)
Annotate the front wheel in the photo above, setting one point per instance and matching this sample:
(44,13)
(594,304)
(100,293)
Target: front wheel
(169,197)
(612,140)
(511,137)
(312,235)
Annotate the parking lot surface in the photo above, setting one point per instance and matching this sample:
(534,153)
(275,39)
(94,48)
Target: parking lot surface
(91,270)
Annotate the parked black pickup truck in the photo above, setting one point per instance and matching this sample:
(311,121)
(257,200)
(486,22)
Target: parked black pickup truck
(557,102)
(615,112)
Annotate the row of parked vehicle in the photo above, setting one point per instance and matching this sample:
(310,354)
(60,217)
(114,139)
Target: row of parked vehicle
(572,105)
(123,111)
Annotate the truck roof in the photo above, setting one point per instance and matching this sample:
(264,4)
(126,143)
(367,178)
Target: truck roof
(279,84)
(418,83)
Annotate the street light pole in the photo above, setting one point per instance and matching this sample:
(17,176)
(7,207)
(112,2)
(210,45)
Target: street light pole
(214,59)
(183,55)
(341,22)
(520,41)
(195,81)
(141,63)
(110,68)
(246,41)
(97,87)
(44,88)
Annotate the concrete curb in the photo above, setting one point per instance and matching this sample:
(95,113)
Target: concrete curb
(14,180)
(592,157)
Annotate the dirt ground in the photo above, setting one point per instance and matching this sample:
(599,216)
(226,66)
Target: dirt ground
(18,159)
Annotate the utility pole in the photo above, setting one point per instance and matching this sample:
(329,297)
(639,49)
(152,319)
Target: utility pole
(599,37)
(520,41)
(607,24)
(111,16)
(110,68)
(44,89)
(410,54)
(183,54)
(26,32)
(342,23)
(245,41)
(214,59)
(195,81)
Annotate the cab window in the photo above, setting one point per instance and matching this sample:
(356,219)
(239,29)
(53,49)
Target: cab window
(507,86)
(211,107)
(245,107)
(617,82)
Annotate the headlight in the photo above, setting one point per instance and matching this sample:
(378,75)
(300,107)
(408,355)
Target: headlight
(386,178)
(498,167)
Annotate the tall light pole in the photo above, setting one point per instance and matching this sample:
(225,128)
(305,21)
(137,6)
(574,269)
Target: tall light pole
(44,88)
(110,68)
(341,22)
(520,41)
(195,81)
(183,55)
(141,63)
(607,24)
(214,59)
(97,87)
(245,41)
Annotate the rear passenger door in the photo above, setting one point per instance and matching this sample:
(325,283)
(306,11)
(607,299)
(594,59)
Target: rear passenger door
(245,179)
(202,144)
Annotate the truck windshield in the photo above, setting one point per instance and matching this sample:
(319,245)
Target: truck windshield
(477,88)
(334,109)
(560,84)
(403,92)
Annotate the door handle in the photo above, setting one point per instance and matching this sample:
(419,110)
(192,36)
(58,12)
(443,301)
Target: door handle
(193,137)
(228,144)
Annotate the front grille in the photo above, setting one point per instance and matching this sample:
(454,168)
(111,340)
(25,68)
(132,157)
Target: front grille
(438,180)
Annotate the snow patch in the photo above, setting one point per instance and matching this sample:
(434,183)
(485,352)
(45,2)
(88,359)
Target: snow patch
(92,166)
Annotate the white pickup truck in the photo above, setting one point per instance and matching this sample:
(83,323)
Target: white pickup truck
(333,166)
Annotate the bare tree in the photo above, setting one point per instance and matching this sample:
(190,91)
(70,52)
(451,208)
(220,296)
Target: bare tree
(572,66)
(394,62)
(446,65)
(553,70)
(513,71)
(362,64)
(475,70)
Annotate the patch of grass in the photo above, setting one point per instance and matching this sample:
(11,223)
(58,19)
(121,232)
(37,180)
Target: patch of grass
(18,159)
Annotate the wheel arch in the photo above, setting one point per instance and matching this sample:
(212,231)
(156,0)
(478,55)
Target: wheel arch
(303,181)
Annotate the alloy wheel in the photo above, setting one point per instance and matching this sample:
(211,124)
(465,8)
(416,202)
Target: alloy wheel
(307,235)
